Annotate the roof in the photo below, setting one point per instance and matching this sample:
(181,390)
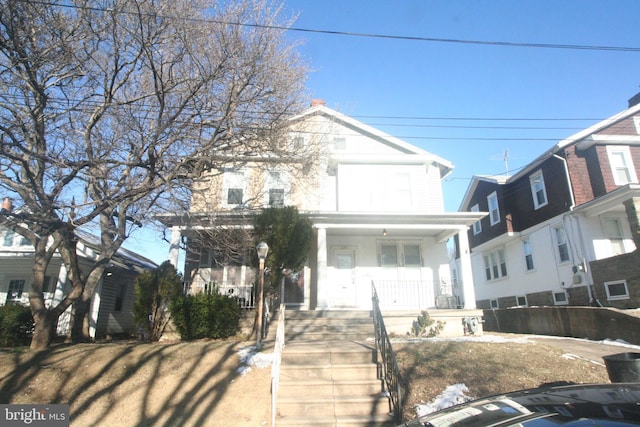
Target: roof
(445,166)
(125,256)
(583,135)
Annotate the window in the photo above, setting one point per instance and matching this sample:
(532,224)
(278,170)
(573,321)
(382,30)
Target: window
(120,293)
(616,290)
(636,122)
(47,286)
(613,231)
(560,298)
(234,184)
(477,226)
(275,185)
(402,190)
(8,238)
(621,165)
(528,256)
(538,190)
(493,303)
(494,211)
(339,144)
(495,265)
(562,244)
(388,255)
(521,301)
(412,255)
(298,143)
(16,287)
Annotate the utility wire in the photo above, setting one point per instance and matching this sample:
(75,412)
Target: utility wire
(367,35)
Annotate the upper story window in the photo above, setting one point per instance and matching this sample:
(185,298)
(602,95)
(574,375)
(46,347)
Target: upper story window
(494,210)
(339,144)
(234,187)
(621,165)
(495,265)
(636,122)
(276,188)
(538,190)
(298,143)
(562,244)
(11,238)
(528,254)
(477,226)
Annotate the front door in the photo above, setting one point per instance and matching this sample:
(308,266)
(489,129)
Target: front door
(343,279)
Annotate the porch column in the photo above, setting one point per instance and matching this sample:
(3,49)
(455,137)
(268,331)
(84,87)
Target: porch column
(323,285)
(465,271)
(174,248)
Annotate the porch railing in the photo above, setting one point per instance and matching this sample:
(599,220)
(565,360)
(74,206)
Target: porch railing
(246,294)
(275,365)
(390,369)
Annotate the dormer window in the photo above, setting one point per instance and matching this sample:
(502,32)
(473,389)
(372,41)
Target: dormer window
(621,165)
(339,144)
(538,190)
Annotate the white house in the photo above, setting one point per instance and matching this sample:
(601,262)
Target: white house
(111,306)
(378,216)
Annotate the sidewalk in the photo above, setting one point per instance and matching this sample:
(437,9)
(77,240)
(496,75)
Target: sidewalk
(590,350)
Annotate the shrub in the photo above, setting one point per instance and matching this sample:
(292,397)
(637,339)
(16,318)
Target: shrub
(154,291)
(209,315)
(16,325)
(421,326)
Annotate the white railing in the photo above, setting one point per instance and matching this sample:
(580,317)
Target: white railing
(244,293)
(275,365)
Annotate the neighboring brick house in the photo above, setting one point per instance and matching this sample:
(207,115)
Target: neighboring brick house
(112,304)
(564,229)
(377,211)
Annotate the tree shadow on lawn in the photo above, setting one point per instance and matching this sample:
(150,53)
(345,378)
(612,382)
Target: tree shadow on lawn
(173,383)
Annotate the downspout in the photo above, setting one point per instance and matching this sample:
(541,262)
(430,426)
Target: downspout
(570,215)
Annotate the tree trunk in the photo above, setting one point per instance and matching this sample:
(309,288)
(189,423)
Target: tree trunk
(79,331)
(43,332)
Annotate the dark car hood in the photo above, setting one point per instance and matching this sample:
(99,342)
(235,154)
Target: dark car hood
(602,405)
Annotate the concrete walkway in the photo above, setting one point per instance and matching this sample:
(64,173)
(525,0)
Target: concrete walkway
(590,350)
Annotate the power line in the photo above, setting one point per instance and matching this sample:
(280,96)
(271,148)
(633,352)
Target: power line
(370,35)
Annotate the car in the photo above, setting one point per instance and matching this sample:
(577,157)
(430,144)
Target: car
(575,405)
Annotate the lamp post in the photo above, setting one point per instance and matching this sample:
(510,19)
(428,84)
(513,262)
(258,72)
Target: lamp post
(262,250)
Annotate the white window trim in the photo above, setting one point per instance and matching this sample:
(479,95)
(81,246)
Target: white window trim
(495,253)
(624,149)
(226,186)
(532,178)
(636,122)
(566,298)
(616,297)
(286,186)
(527,242)
(493,196)
(491,303)
(477,226)
(557,244)
(526,303)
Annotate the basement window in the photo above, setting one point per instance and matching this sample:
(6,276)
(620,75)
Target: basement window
(560,298)
(616,290)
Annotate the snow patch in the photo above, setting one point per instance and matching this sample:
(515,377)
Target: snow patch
(251,358)
(452,395)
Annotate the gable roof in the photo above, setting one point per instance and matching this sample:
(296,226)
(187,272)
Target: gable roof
(445,166)
(585,136)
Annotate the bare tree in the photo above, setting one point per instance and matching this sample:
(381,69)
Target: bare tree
(110,109)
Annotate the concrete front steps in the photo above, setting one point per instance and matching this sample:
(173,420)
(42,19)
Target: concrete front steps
(329,375)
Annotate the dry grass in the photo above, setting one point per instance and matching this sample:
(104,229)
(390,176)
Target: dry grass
(134,384)
(485,368)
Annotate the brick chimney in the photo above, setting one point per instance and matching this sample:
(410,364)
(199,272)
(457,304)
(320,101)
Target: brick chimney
(316,102)
(7,205)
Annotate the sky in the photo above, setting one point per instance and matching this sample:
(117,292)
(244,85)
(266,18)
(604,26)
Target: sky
(470,101)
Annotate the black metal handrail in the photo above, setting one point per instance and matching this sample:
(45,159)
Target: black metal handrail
(390,369)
